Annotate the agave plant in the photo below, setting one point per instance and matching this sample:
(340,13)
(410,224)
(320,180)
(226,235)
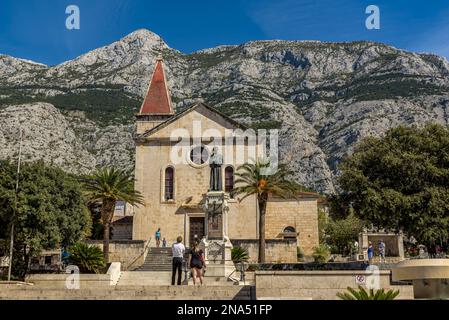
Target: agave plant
(88,258)
(362,294)
(239,255)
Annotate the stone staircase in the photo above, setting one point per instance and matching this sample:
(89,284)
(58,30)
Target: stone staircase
(163,278)
(132,292)
(157,259)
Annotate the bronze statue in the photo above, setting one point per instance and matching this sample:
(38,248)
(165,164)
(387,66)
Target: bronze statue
(215,162)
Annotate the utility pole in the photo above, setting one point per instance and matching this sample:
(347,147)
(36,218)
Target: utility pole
(11,245)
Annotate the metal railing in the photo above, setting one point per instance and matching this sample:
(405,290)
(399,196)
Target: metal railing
(144,252)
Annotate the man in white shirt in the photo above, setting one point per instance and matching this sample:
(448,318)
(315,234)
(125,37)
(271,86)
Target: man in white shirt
(178,251)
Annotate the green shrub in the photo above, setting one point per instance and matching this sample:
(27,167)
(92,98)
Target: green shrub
(239,254)
(362,294)
(299,253)
(321,253)
(88,258)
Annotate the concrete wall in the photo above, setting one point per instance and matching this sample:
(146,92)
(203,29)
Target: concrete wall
(316,285)
(277,250)
(130,253)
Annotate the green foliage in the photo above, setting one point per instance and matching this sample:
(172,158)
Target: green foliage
(111,184)
(400,182)
(299,253)
(104,105)
(321,253)
(105,187)
(323,222)
(51,211)
(341,234)
(255,179)
(88,258)
(267,125)
(257,112)
(362,294)
(239,254)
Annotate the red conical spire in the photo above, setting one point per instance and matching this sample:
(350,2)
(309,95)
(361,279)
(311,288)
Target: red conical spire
(157,100)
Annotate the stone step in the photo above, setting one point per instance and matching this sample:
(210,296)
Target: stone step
(133,292)
(154,278)
(155,268)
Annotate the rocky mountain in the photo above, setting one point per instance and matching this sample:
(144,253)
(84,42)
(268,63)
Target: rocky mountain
(323,97)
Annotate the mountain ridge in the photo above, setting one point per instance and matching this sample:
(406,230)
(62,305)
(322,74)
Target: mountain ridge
(322,96)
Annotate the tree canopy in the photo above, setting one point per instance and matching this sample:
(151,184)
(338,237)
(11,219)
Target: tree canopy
(254,179)
(51,210)
(105,187)
(400,182)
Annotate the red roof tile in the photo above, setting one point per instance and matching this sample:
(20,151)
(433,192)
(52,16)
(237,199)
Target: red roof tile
(157,100)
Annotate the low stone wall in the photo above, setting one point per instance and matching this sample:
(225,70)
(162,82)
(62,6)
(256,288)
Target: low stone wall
(76,281)
(317,285)
(276,251)
(130,253)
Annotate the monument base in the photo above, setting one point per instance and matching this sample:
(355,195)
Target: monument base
(218,258)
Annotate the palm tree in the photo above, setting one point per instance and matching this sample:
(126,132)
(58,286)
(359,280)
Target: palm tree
(254,179)
(362,294)
(106,187)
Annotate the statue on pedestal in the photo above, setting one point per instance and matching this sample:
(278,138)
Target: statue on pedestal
(215,162)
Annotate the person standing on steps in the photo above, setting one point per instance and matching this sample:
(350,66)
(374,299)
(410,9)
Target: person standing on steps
(370,253)
(197,263)
(164,243)
(178,251)
(381,247)
(158,237)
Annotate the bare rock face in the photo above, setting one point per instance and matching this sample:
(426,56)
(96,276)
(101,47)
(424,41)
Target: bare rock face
(46,135)
(322,97)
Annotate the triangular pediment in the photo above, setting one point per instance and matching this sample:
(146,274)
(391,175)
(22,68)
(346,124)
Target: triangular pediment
(200,113)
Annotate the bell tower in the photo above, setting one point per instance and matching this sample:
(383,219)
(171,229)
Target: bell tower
(157,105)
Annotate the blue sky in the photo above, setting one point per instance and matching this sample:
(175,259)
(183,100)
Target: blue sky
(35,29)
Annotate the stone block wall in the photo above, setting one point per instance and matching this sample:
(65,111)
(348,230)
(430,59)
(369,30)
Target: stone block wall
(301,215)
(130,253)
(317,285)
(277,250)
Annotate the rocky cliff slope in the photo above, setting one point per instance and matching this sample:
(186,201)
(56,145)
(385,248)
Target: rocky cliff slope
(322,96)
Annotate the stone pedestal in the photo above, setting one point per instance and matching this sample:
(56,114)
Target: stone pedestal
(430,277)
(216,244)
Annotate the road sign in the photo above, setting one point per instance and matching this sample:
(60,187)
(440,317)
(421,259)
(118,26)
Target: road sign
(360,279)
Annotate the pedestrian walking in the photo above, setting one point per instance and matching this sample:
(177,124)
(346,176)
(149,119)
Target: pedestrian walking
(157,236)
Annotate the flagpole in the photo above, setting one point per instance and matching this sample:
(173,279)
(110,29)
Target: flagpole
(11,245)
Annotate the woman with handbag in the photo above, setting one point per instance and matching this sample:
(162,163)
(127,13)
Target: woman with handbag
(197,263)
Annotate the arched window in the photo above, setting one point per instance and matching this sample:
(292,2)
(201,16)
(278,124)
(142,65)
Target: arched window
(229,180)
(169,183)
(289,233)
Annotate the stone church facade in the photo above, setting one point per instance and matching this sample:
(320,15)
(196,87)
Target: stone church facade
(172,173)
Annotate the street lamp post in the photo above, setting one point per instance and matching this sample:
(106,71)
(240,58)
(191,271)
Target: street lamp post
(11,244)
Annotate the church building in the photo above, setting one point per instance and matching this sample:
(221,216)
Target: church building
(172,172)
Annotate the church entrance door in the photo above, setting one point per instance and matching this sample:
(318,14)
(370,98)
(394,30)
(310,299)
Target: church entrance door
(196,229)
